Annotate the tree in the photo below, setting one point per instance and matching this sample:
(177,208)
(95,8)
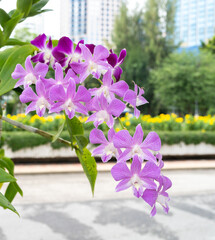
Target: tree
(24,34)
(184,80)
(209,46)
(148,37)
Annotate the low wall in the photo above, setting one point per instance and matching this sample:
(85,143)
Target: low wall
(46,151)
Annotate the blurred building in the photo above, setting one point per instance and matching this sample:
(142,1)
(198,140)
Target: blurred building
(195,22)
(92,20)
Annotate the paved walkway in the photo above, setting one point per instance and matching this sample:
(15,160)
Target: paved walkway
(61,207)
(103,167)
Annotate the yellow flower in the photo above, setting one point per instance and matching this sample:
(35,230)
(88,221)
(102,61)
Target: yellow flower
(117,129)
(49,119)
(127,123)
(14,117)
(179,120)
(211,122)
(122,119)
(203,130)
(173,115)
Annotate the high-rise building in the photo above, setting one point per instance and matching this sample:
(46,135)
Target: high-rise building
(92,20)
(195,22)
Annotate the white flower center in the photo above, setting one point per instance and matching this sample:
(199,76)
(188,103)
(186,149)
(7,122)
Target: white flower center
(42,103)
(30,79)
(69,105)
(103,116)
(47,55)
(104,90)
(136,150)
(92,67)
(75,57)
(136,181)
(110,149)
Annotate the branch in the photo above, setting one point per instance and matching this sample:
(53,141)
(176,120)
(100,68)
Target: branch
(34,130)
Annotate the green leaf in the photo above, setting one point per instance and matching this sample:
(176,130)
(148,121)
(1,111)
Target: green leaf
(11,24)
(1,153)
(14,41)
(18,56)
(2,41)
(24,6)
(6,204)
(4,17)
(6,177)
(59,132)
(4,55)
(36,8)
(82,142)
(11,191)
(75,127)
(8,164)
(89,165)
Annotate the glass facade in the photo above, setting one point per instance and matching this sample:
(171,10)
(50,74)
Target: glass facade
(194,21)
(78,18)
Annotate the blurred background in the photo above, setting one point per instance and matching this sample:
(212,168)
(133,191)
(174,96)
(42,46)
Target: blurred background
(171,54)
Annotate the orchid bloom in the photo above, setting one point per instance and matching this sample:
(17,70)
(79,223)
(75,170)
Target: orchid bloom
(65,53)
(59,78)
(94,64)
(135,99)
(30,75)
(136,178)
(70,101)
(115,61)
(109,88)
(151,196)
(104,112)
(45,54)
(39,102)
(135,146)
(106,148)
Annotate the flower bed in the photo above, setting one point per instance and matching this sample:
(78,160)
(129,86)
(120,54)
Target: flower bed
(162,122)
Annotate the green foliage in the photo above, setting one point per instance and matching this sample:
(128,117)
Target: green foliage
(184,80)
(17,56)
(30,140)
(24,6)
(148,37)
(23,35)
(79,142)
(7,175)
(209,46)
(89,165)
(57,135)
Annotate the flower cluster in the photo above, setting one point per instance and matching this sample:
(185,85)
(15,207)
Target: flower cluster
(66,92)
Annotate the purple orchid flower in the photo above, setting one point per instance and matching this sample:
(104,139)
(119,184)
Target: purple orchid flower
(106,149)
(135,99)
(65,53)
(39,102)
(104,111)
(70,101)
(136,146)
(109,88)
(45,55)
(136,178)
(115,61)
(30,75)
(59,78)
(94,64)
(151,196)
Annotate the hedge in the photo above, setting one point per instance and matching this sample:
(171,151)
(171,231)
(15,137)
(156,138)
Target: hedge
(19,140)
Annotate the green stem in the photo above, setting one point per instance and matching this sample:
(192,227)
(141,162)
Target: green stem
(121,124)
(34,130)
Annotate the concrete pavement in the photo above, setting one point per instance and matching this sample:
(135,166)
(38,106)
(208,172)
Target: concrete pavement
(60,207)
